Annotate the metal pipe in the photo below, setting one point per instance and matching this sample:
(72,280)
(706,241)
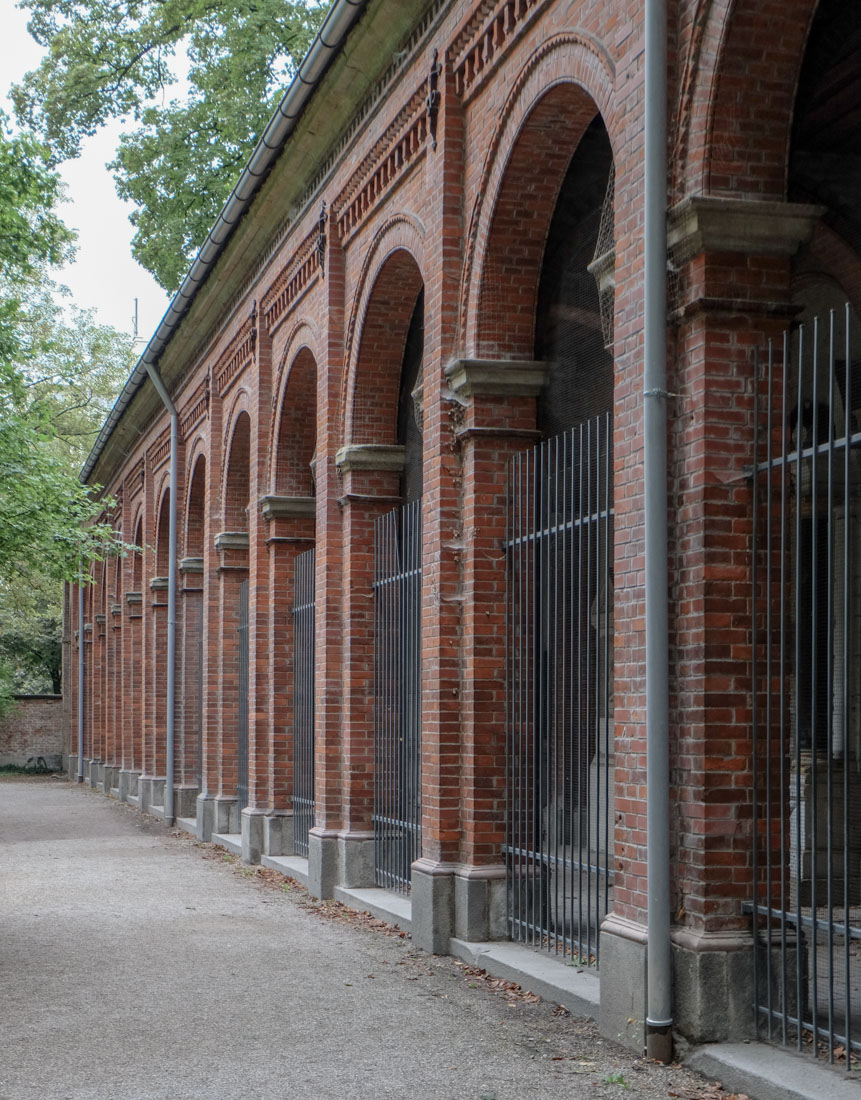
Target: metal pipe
(337,25)
(81,678)
(659,958)
(161,389)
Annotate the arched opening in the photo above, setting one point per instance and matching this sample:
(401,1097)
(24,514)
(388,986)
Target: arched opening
(233,545)
(191,568)
(808,588)
(297,430)
(560,524)
(386,414)
(162,552)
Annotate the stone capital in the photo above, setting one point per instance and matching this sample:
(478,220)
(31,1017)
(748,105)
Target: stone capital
(496,377)
(231,540)
(191,565)
(370,456)
(706,223)
(159,584)
(276,507)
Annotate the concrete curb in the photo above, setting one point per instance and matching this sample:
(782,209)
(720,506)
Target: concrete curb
(765,1072)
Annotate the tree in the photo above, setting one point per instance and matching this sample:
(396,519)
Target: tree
(106,60)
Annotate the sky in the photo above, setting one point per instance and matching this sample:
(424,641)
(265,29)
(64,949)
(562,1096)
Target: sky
(104,276)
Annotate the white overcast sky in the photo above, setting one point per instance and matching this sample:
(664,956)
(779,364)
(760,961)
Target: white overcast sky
(104,275)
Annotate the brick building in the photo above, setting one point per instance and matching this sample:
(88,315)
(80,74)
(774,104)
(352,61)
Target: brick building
(409,586)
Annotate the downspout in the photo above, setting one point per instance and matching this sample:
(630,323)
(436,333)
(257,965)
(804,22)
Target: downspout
(659,1021)
(81,680)
(152,371)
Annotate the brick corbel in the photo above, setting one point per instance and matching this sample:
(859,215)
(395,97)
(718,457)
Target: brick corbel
(705,223)
(496,377)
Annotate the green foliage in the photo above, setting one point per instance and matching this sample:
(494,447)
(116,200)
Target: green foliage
(177,164)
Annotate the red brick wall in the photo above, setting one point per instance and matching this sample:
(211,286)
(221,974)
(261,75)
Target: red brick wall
(33,729)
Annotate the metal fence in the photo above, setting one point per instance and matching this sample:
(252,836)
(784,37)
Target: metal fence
(242,708)
(807,691)
(397,695)
(560,691)
(303,699)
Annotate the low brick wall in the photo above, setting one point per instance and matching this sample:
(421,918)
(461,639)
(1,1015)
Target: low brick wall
(33,729)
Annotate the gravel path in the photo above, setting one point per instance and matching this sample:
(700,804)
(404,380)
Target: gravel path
(138,963)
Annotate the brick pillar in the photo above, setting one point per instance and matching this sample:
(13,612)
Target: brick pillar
(99,669)
(232,548)
(115,690)
(291,522)
(732,259)
(153,776)
(370,488)
(132,697)
(190,681)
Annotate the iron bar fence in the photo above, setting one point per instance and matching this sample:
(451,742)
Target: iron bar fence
(806,698)
(303,699)
(242,708)
(560,691)
(397,695)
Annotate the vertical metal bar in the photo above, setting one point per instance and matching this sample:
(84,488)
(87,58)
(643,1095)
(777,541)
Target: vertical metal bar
(590,717)
(814,674)
(553,791)
(829,680)
(754,717)
(847,635)
(784,740)
(769,732)
(799,703)
(609,543)
(582,721)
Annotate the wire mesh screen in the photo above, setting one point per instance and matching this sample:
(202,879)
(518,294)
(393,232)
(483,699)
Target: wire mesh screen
(242,709)
(807,690)
(560,690)
(397,695)
(303,699)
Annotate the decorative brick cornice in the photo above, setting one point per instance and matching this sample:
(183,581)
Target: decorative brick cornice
(195,409)
(370,456)
(134,481)
(389,160)
(159,452)
(501,378)
(298,275)
(485,37)
(275,507)
(237,356)
(703,223)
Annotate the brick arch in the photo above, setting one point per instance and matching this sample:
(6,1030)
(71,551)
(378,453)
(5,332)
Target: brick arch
(742,99)
(195,509)
(162,540)
(295,437)
(838,260)
(567,80)
(388,289)
(237,480)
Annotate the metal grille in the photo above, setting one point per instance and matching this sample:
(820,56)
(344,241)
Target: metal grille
(560,690)
(807,692)
(303,700)
(242,709)
(397,695)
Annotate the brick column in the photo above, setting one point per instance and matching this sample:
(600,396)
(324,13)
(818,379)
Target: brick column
(732,259)
(115,693)
(232,549)
(132,698)
(153,776)
(370,476)
(189,701)
(291,522)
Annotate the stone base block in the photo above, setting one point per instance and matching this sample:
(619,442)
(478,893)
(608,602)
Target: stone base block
(95,774)
(128,784)
(713,986)
(112,774)
(433,892)
(151,790)
(72,766)
(622,1017)
(251,828)
(226,815)
(278,833)
(322,862)
(205,814)
(479,904)
(355,868)
(184,800)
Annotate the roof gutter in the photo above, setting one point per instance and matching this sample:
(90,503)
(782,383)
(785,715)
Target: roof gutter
(341,19)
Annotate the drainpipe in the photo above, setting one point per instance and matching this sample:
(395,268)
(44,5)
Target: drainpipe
(81,679)
(659,1021)
(152,371)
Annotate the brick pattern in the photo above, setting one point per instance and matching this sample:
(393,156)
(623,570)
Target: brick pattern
(467,222)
